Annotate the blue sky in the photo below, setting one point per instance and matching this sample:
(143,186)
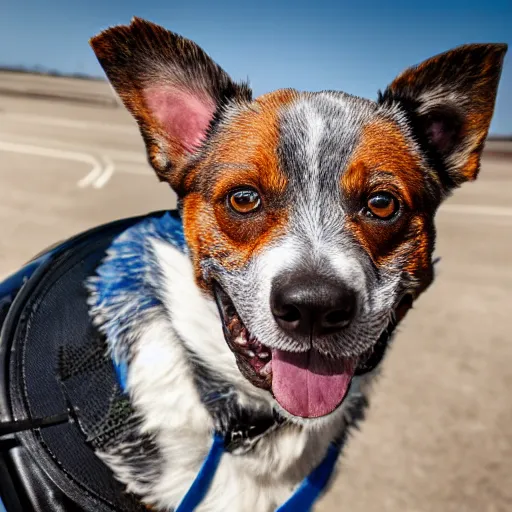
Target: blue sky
(357,46)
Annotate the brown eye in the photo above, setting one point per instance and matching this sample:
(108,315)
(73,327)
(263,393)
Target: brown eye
(244,200)
(382,205)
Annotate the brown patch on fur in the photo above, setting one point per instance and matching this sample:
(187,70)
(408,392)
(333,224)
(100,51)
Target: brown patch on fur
(243,154)
(418,257)
(384,161)
(472,167)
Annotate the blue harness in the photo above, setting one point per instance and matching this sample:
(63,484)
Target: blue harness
(128,278)
(302,499)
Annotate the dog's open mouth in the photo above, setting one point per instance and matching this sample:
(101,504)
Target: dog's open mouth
(306,384)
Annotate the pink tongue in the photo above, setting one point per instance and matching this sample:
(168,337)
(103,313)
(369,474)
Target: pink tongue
(308,384)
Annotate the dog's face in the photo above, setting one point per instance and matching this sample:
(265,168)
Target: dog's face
(309,216)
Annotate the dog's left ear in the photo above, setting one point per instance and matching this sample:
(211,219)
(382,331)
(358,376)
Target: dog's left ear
(450,101)
(172,88)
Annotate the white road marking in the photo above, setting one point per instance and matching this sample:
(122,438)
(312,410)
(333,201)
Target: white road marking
(98,176)
(135,157)
(71,123)
(91,177)
(485,210)
(75,156)
(108,171)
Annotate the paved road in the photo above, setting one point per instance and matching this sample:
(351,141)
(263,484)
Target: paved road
(438,437)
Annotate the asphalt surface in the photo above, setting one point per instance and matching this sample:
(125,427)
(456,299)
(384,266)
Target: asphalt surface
(438,435)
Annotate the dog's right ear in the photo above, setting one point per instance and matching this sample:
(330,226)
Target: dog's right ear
(171,87)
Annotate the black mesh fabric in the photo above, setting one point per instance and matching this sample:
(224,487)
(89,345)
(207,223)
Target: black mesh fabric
(104,413)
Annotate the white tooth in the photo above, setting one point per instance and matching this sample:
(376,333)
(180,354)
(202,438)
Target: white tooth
(263,355)
(250,353)
(240,340)
(266,369)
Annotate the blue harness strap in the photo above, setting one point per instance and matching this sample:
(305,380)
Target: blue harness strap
(313,485)
(201,484)
(121,369)
(302,499)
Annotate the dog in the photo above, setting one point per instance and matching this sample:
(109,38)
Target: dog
(308,233)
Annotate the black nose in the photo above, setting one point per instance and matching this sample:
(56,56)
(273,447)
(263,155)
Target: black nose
(306,304)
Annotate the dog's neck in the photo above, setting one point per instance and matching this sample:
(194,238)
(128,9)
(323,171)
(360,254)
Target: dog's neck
(183,381)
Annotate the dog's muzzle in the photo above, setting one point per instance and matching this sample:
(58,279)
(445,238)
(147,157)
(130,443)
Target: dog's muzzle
(308,383)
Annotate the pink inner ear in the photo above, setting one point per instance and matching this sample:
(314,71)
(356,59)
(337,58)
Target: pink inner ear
(185,116)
